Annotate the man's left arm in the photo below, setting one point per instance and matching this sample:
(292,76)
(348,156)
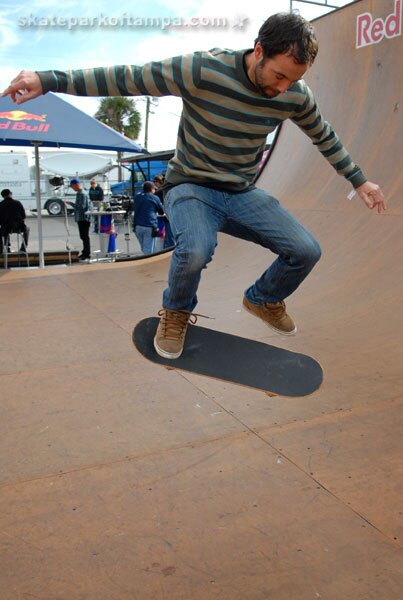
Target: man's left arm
(22,211)
(310,120)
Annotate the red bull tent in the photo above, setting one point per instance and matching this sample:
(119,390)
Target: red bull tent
(49,121)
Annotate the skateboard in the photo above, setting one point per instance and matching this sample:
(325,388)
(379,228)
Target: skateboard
(235,359)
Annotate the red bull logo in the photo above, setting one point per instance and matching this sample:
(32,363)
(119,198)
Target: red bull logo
(372,31)
(16,120)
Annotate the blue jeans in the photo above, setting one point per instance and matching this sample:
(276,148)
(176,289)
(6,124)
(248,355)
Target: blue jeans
(146,241)
(169,240)
(197,214)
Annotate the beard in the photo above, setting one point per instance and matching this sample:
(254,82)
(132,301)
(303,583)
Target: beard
(265,90)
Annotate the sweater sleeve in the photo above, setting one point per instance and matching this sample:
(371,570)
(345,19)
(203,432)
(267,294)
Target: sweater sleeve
(310,120)
(175,76)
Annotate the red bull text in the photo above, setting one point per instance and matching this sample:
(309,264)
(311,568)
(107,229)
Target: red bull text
(372,31)
(15,120)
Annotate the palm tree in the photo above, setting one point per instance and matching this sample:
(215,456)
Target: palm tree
(121,114)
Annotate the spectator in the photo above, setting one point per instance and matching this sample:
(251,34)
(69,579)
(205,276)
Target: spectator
(158,183)
(168,240)
(96,194)
(81,207)
(146,207)
(12,220)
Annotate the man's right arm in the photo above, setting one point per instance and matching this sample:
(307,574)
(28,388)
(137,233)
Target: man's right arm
(176,76)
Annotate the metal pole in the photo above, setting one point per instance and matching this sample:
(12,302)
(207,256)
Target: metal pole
(66,224)
(39,205)
(146,123)
(290,6)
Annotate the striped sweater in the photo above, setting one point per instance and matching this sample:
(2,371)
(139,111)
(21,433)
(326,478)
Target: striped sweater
(225,120)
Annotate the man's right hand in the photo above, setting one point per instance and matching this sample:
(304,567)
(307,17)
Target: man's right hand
(25,86)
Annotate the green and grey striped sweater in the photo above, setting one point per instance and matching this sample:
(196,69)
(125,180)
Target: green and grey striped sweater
(225,121)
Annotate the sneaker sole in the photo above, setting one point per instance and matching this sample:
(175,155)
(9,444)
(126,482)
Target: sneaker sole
(164,354)
(279,331)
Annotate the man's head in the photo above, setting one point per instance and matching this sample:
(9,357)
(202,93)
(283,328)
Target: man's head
(288,33)
(285,48)
(149,187)
(6,193)
(93,182)
(75,184)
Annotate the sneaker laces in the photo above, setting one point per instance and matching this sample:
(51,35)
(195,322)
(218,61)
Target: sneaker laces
(175,322)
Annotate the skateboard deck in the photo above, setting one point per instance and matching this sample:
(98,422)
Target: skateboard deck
(235,359)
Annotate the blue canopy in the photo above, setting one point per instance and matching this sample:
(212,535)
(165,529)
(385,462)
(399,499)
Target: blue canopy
(51,121)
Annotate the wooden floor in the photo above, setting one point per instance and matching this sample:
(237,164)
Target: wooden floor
(121,480)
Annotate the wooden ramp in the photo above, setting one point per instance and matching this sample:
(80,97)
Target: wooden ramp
(56,257)
(120,480)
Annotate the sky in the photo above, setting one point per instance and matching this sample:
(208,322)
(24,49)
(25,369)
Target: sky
(46,34)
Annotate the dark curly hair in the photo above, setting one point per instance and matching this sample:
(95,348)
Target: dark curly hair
(288,33)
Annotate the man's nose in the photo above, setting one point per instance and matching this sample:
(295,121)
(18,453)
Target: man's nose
(283,86)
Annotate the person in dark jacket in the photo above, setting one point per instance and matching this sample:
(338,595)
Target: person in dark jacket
(12,219)
(81,207)
(146,207)
(96,194)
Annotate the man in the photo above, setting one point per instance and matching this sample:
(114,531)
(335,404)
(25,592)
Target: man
(231,101)
(12,220)
(96,194)
(81,207)
(146,207)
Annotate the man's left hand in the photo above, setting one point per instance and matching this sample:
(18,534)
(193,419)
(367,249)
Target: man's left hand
(372,195)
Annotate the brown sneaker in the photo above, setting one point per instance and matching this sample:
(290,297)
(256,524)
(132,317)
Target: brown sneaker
(274,315)
(171,331)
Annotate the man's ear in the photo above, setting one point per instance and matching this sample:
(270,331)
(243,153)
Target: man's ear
(258,51)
